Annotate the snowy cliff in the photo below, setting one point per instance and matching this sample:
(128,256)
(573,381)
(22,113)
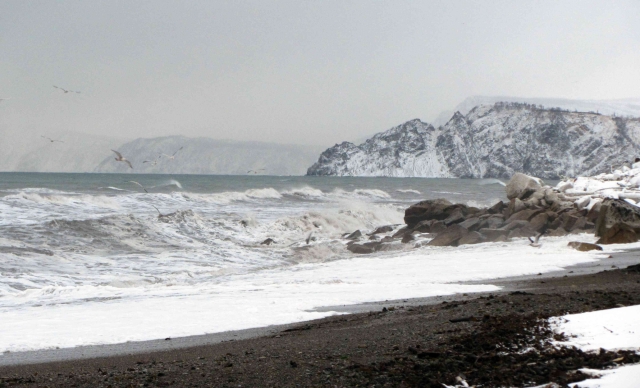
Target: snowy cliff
(491,141)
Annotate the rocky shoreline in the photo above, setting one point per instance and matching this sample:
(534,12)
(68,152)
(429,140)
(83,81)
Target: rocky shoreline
(533,209)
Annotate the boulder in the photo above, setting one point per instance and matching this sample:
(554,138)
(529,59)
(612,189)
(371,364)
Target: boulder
(618,222)
(360,248)
(471,224)
(493,222)
(556,232)
(579,225)
(524,215)
(449,237)
(539,222)
(382,229)
(584,247)
(401,232)
(521,186)
(498,208)
(594,212)
(494,234)
(455,218)
(515,206)
(436,209)
(550,196)
(555,224)
(618,234)
(268,241)
(438,227)
(355,235)
(525,231)
(408,237)
(569,221)
(424,226)
(432,209)
(471,238)
(518,224)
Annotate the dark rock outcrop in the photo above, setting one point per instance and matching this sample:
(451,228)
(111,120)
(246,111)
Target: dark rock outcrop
(618,222)
(449,237)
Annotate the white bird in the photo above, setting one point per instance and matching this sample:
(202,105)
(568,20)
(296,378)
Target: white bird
(143,188)
(121,158)
(153,162)
(309,237)
(65,90)
(534,243)
(51,140)
(171,157)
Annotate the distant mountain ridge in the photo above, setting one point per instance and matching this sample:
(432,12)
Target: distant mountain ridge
(210,156)
(494,140)
(617,107)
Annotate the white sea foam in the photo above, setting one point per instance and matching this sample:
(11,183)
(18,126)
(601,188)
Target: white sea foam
(273,296)
(408,191)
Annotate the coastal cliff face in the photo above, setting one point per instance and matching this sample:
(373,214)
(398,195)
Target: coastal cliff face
(491,141)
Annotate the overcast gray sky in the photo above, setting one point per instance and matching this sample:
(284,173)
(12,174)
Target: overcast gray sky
(308,72)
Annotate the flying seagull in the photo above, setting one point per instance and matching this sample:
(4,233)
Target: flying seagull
(535,243)
(51,140)
(121,158)
(65,90)
(255,171)
(160,215)
(153,162)
(136,183)
(309,237)
(171,157)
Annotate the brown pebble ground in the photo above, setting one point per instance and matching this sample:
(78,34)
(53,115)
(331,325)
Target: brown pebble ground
(479,338)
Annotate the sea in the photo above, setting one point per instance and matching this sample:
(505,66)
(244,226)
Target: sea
(88,259)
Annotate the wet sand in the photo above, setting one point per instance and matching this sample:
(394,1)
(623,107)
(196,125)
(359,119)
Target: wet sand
(329,351)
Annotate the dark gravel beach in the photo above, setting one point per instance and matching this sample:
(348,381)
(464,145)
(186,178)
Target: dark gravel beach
(479,339)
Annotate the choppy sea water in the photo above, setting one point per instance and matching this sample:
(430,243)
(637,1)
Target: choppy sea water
(85,259)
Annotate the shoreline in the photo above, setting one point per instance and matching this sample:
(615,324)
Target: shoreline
(620,259)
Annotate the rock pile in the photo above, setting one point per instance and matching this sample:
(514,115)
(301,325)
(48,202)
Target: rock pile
(532,208)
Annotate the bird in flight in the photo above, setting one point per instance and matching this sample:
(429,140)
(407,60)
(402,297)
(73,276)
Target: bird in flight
(136,183)
(171,157)
(120,158)
(255,171)
(65,90)
(535,243)
(51,140)
(160,215)
(153,162)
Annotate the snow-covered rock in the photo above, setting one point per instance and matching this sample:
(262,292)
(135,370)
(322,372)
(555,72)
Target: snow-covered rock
(492,141)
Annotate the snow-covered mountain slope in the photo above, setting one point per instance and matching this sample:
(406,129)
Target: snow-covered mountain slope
(491,141)
(75,152)
(405,150)
(209,156)
(618,107)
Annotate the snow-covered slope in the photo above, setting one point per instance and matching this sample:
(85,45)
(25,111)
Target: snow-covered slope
(618,107)
(406,150)
(76,152)
(492,141)
(209,156)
